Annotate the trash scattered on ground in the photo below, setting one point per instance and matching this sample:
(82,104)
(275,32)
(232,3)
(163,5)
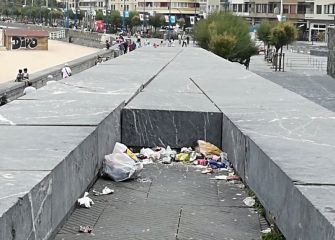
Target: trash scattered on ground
(104,191)
(144,180)
(207,148)
(233,177)
(124,163)
(208,170)
(220,177)
(85,229)
(266,231)
(121,167)
(85,201)
(183,157)
(249,201)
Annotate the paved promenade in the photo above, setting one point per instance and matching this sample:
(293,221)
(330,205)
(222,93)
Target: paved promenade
(58,53)
(305,75)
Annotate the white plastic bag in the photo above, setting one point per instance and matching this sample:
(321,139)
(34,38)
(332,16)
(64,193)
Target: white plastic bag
(119,148)
(85,201)
(120,167)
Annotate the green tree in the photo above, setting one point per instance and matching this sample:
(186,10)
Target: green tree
(282,34)
(99,15)
(264,34)
(181,22)
(227,36)
(156,21)
(135,21)
(115,19)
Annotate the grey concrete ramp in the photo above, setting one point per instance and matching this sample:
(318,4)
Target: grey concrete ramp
(53,142)
(287,142)
(171,111)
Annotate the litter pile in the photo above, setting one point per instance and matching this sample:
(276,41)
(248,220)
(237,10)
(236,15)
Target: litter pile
(124,164)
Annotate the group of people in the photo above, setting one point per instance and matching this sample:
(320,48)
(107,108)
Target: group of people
(127,45)
(184,40)
(22,76)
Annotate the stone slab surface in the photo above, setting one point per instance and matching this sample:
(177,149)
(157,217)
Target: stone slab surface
(288,141)
(41,148)
(141,127)
(179,203)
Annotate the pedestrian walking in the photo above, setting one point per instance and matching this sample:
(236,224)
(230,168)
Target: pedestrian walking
(179,38)
(246,63)
(66,71)
(188,40)
(184,42)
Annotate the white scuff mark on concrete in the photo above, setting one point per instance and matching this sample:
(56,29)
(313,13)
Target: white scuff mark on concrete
(7,176)
(14,195)
(5,120)
(33,230)
(58,92)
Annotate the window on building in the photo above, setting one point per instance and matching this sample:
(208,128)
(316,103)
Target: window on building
(165,4)
(258,8)
(234,7)
(293,9)
(239,7)
(326,9)
(318,9)
(286,8)
(246,7)
(301,9)
(270,8)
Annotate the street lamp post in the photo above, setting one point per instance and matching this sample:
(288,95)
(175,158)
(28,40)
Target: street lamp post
(144,16)
(169,32)
(281,10)
(124,15)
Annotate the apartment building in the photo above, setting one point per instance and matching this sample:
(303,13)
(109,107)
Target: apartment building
(312,17)
(179,8)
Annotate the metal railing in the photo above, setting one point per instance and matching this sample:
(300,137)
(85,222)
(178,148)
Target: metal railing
(306,63)
(57,34)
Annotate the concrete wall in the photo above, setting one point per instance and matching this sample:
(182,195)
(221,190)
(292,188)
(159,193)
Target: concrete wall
(331,53)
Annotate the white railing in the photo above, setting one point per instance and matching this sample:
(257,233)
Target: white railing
(57,35)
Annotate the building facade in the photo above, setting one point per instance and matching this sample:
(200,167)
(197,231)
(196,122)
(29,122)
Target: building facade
(312,17)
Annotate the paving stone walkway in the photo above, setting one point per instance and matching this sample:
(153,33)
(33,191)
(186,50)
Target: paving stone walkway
(178,203)
(306,80)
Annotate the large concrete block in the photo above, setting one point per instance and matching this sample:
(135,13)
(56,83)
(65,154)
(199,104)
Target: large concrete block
(234,143)
(109,132)
(174,119)
(24,204)
(73,175)
(31,174)
(142,127)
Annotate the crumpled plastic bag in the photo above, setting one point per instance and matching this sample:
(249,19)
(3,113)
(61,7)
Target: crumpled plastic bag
(249,201)
(183,157)
(121,148)
(148,152)
(120,167)
(207,148)
(85,201)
